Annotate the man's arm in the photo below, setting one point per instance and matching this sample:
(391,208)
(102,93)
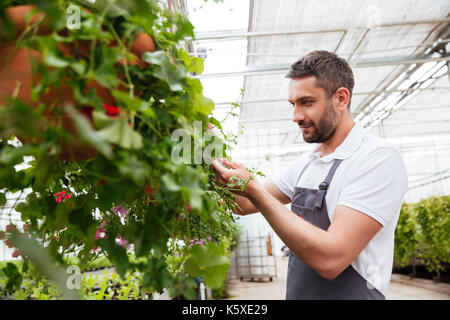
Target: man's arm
(328,252)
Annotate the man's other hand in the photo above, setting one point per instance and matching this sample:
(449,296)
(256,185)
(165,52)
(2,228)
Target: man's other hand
(234,175)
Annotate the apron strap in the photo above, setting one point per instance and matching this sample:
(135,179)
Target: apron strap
(323,186)
(301,173)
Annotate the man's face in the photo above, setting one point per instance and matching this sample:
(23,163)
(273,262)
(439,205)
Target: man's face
(313,109)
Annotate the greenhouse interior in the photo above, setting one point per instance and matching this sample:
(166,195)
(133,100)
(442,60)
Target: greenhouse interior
(93,203)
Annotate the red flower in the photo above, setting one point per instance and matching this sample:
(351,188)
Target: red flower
(148,191)
(111,111)
(222,202)
(16,253)
(63,195)
(189,208)
(9,243)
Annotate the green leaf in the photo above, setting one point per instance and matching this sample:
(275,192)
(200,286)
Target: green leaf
(164,69)
(54,61)
(102,120)
(120,133)
(208,262)
(215,122)
(197,65)
(88,134)
(134,103)
(105,74)
(202,104)
(133,168)
(194,64)
(41,258)
(170,182)
(14,276)
(79,66)
(117,254)
(51,55)
(114,9)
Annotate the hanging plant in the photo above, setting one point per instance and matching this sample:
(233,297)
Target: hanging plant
(94,106)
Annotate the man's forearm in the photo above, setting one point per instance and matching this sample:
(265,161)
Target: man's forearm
(244,206)
(313,245)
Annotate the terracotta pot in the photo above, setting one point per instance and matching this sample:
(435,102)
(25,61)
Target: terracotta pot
(16,77)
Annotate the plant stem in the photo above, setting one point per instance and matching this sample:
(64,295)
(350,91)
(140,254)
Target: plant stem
(125,63)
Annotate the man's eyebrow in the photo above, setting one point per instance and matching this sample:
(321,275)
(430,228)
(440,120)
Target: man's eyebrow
(303,98)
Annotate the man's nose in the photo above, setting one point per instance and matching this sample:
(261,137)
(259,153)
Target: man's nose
(298,116)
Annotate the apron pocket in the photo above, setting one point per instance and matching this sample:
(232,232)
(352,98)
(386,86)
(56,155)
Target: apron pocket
(305,212)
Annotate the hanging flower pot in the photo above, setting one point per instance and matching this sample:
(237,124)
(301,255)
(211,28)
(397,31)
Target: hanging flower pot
(18,77)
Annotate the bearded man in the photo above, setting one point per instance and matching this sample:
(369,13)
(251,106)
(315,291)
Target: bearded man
(345,194)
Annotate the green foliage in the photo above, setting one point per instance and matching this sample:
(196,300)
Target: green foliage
(220,292)
(209,262)
(406,242)
(422,233)
(100,286)
(163,201)
(433,216)
(13,275)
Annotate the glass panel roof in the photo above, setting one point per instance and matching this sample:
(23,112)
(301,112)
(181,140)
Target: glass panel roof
(398,51)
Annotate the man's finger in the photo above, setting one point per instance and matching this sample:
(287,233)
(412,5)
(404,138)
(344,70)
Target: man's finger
(220,169)
(220,180)
(231,164)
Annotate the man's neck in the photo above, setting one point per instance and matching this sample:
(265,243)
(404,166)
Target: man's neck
(338,137)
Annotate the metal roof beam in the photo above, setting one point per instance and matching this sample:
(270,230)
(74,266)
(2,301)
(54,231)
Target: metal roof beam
(353,94)
(238,34)
(233,34)
(283,68)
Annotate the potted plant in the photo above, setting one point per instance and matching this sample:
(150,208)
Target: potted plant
(18,75)
(131,203)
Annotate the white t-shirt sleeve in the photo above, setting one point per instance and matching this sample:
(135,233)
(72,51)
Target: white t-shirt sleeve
(377,188)
(287,176)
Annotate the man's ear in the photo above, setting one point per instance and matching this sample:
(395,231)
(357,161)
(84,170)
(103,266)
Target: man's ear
(341,98)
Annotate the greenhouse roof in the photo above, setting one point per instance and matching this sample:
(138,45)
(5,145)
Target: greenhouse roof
(399,52)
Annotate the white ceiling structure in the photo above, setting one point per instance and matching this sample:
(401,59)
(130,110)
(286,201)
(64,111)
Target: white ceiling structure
(399,52)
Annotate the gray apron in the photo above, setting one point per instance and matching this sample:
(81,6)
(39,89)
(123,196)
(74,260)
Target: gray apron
(302,281)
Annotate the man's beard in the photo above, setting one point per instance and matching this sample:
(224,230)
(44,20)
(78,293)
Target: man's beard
(324,129)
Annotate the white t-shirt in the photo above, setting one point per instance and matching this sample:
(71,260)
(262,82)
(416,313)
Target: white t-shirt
(371,179)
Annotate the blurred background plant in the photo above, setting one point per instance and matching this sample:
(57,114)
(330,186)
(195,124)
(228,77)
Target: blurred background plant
(422,232)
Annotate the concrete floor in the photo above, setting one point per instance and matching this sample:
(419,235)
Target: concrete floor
(401,287)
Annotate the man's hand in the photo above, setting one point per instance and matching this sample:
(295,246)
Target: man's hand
(236,176)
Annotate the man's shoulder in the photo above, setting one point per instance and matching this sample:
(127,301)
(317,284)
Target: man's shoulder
(373,146)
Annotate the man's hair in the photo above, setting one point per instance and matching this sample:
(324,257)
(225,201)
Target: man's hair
(331,71)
